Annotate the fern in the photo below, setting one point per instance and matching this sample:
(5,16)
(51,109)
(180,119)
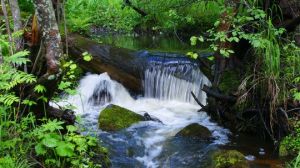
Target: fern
(18,58)
(9,99)
(39,89)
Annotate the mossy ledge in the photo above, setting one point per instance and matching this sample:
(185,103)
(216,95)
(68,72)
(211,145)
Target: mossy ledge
(115,118)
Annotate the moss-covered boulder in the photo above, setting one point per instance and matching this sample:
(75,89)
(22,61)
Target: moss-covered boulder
(195,130)
(228,159)
(115,118)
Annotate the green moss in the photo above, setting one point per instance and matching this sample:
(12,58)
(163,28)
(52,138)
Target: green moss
(228,159)
(283,150)
(196,131)
(114,118)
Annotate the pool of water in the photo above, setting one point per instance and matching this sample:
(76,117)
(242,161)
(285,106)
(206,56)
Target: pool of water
(171,44)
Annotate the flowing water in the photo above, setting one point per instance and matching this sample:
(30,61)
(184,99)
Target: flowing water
(167,97)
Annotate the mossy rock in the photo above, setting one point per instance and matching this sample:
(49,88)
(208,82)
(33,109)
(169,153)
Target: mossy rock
(195,130)
(115,118)
(228,159)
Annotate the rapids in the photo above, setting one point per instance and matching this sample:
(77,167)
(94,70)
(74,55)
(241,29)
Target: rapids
(166,97)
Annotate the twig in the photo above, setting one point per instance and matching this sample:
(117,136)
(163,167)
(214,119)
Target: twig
(197,100)
(37,58)
(294,109)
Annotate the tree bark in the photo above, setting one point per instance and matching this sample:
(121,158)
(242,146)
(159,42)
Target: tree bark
(51,41)
(15,10)
(220,62)
(51,36)
(3,4)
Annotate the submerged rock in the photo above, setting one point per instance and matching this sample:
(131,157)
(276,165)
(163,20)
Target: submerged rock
(228,159)
(195,130)
(115,118)
(148,117)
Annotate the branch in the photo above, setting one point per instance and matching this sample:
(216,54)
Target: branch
(141,12)
(197,100)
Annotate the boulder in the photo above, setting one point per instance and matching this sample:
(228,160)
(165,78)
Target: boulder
(228,159)
(115,118)
(195,130)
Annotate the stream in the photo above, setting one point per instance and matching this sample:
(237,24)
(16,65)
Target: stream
(149,144)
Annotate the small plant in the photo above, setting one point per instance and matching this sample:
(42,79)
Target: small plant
(61,150)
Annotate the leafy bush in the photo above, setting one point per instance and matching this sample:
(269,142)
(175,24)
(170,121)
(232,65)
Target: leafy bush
(162,15)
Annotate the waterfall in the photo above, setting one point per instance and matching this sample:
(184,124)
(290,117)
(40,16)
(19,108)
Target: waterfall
(168,87)
(175,81)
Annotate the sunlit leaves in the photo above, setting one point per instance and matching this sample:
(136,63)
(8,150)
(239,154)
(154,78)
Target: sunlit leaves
(296,96)
(192,55)
(18,58)
(86,56)
(40,89)
(9,99)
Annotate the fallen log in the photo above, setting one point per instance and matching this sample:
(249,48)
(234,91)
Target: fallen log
(123,65)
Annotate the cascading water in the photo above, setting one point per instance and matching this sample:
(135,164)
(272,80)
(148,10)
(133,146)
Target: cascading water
(167,97)
(175,81)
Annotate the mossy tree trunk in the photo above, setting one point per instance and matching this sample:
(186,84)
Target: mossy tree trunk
(51,42)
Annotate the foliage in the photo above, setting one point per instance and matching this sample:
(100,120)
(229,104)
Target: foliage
(61,150)
(292,142)
(162,15)
(295,163)
(26,6)
(26,141)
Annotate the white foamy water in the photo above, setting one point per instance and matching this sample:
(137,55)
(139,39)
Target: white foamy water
(174,112)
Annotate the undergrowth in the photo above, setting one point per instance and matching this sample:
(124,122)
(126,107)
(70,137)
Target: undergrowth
(28,141)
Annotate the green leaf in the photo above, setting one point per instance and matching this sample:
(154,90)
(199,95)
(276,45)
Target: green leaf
(52,126)
(193,40)
(39,149)
(39,89)
(297,96)
(201,39)
(65,149)
(211,58)
(217,23)
(73,66)
(28,102)
(50,142)
(86,56)
(71,128)
(64,85)
(192,55)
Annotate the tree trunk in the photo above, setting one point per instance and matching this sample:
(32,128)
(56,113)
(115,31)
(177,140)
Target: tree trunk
(220,62)
(15,10)
(51,36)
(53,52)
(3,4)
